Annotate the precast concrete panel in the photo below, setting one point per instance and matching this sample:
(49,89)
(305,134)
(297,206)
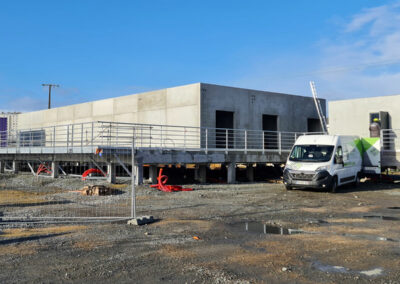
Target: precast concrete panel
(65,113)
(128,104)
(184,116)
(152,101)
(126,117)
(351,117)
(152,116)
(103,107)
(83,111)
(250,105)
(183,96)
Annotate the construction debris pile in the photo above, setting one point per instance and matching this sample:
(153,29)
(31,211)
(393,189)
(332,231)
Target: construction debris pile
(97,190)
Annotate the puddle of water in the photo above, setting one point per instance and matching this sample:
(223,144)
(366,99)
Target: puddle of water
(372,272)
(330,268)
(394,207)
(261,228)
(341,269)
(389,218)
(371,238)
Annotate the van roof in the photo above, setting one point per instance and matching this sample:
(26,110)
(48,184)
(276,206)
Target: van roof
(317,140)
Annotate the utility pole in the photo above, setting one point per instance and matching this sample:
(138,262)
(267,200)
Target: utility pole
(50,86)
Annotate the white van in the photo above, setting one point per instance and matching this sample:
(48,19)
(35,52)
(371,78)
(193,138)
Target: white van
(323,161)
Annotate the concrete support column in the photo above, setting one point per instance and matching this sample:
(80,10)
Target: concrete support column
(231,169)
(200,173)
(15,167)
(153,174)
(139,174)
(2,166)
(250,173)
(54,169)
(111,173)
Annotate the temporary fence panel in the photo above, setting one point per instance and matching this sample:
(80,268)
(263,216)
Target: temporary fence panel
(74,194)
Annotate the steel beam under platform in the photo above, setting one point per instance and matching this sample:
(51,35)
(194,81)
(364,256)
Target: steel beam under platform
(142,155)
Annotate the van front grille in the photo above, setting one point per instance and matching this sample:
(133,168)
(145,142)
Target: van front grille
(302,176)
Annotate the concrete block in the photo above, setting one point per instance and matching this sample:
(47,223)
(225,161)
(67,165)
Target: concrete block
(138,174)
(141,221)
(153,174)
(15,167)
(201,173)
(54,169)
(250,173)
(231,169)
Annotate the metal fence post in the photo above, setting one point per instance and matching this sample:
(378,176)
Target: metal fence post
(245,141)
(206,140)
(81,138)
(133,180)
(226,141)
(184,138)
(67,137)
(54,139)
(263,142)
(116,138)
(72,135)
(92,134)
(280,142)
(150,136)
(161,137)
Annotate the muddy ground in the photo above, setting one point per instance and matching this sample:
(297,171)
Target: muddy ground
(201,236)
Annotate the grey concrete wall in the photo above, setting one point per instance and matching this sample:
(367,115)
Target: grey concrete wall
(172,106)
(250,105)
(351,117)
(188,105)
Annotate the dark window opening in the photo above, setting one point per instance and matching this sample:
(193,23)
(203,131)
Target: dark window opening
(224,121)
(270,128)
(314,125)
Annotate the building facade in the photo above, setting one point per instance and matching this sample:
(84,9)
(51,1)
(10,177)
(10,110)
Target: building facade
(353,117)
(196,105)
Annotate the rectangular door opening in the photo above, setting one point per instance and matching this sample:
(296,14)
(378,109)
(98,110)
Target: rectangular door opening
(270,128)
(224,120)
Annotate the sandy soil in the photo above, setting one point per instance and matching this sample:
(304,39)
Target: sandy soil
(200,236)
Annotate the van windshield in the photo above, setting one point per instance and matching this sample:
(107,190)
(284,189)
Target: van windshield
(311,153)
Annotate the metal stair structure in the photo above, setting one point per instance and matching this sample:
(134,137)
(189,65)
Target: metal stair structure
(317,102)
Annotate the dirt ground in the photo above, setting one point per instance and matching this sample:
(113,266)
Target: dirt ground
(201,236)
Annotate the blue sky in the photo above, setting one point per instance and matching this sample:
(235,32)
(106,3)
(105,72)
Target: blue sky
(101,49)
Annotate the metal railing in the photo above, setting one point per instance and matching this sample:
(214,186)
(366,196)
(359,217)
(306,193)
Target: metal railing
(82,137)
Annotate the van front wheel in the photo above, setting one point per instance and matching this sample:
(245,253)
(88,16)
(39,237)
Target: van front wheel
(333,186)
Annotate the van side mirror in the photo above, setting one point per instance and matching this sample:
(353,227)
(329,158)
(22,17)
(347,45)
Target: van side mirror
(339,160)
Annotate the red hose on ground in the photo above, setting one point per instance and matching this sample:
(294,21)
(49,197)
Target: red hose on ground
(162,180)
(91,171)
(42,168)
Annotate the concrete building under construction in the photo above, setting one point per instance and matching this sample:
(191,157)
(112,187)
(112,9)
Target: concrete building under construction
(196,124)
(196,105)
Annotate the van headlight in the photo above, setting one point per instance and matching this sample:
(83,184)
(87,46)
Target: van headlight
(323,168)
